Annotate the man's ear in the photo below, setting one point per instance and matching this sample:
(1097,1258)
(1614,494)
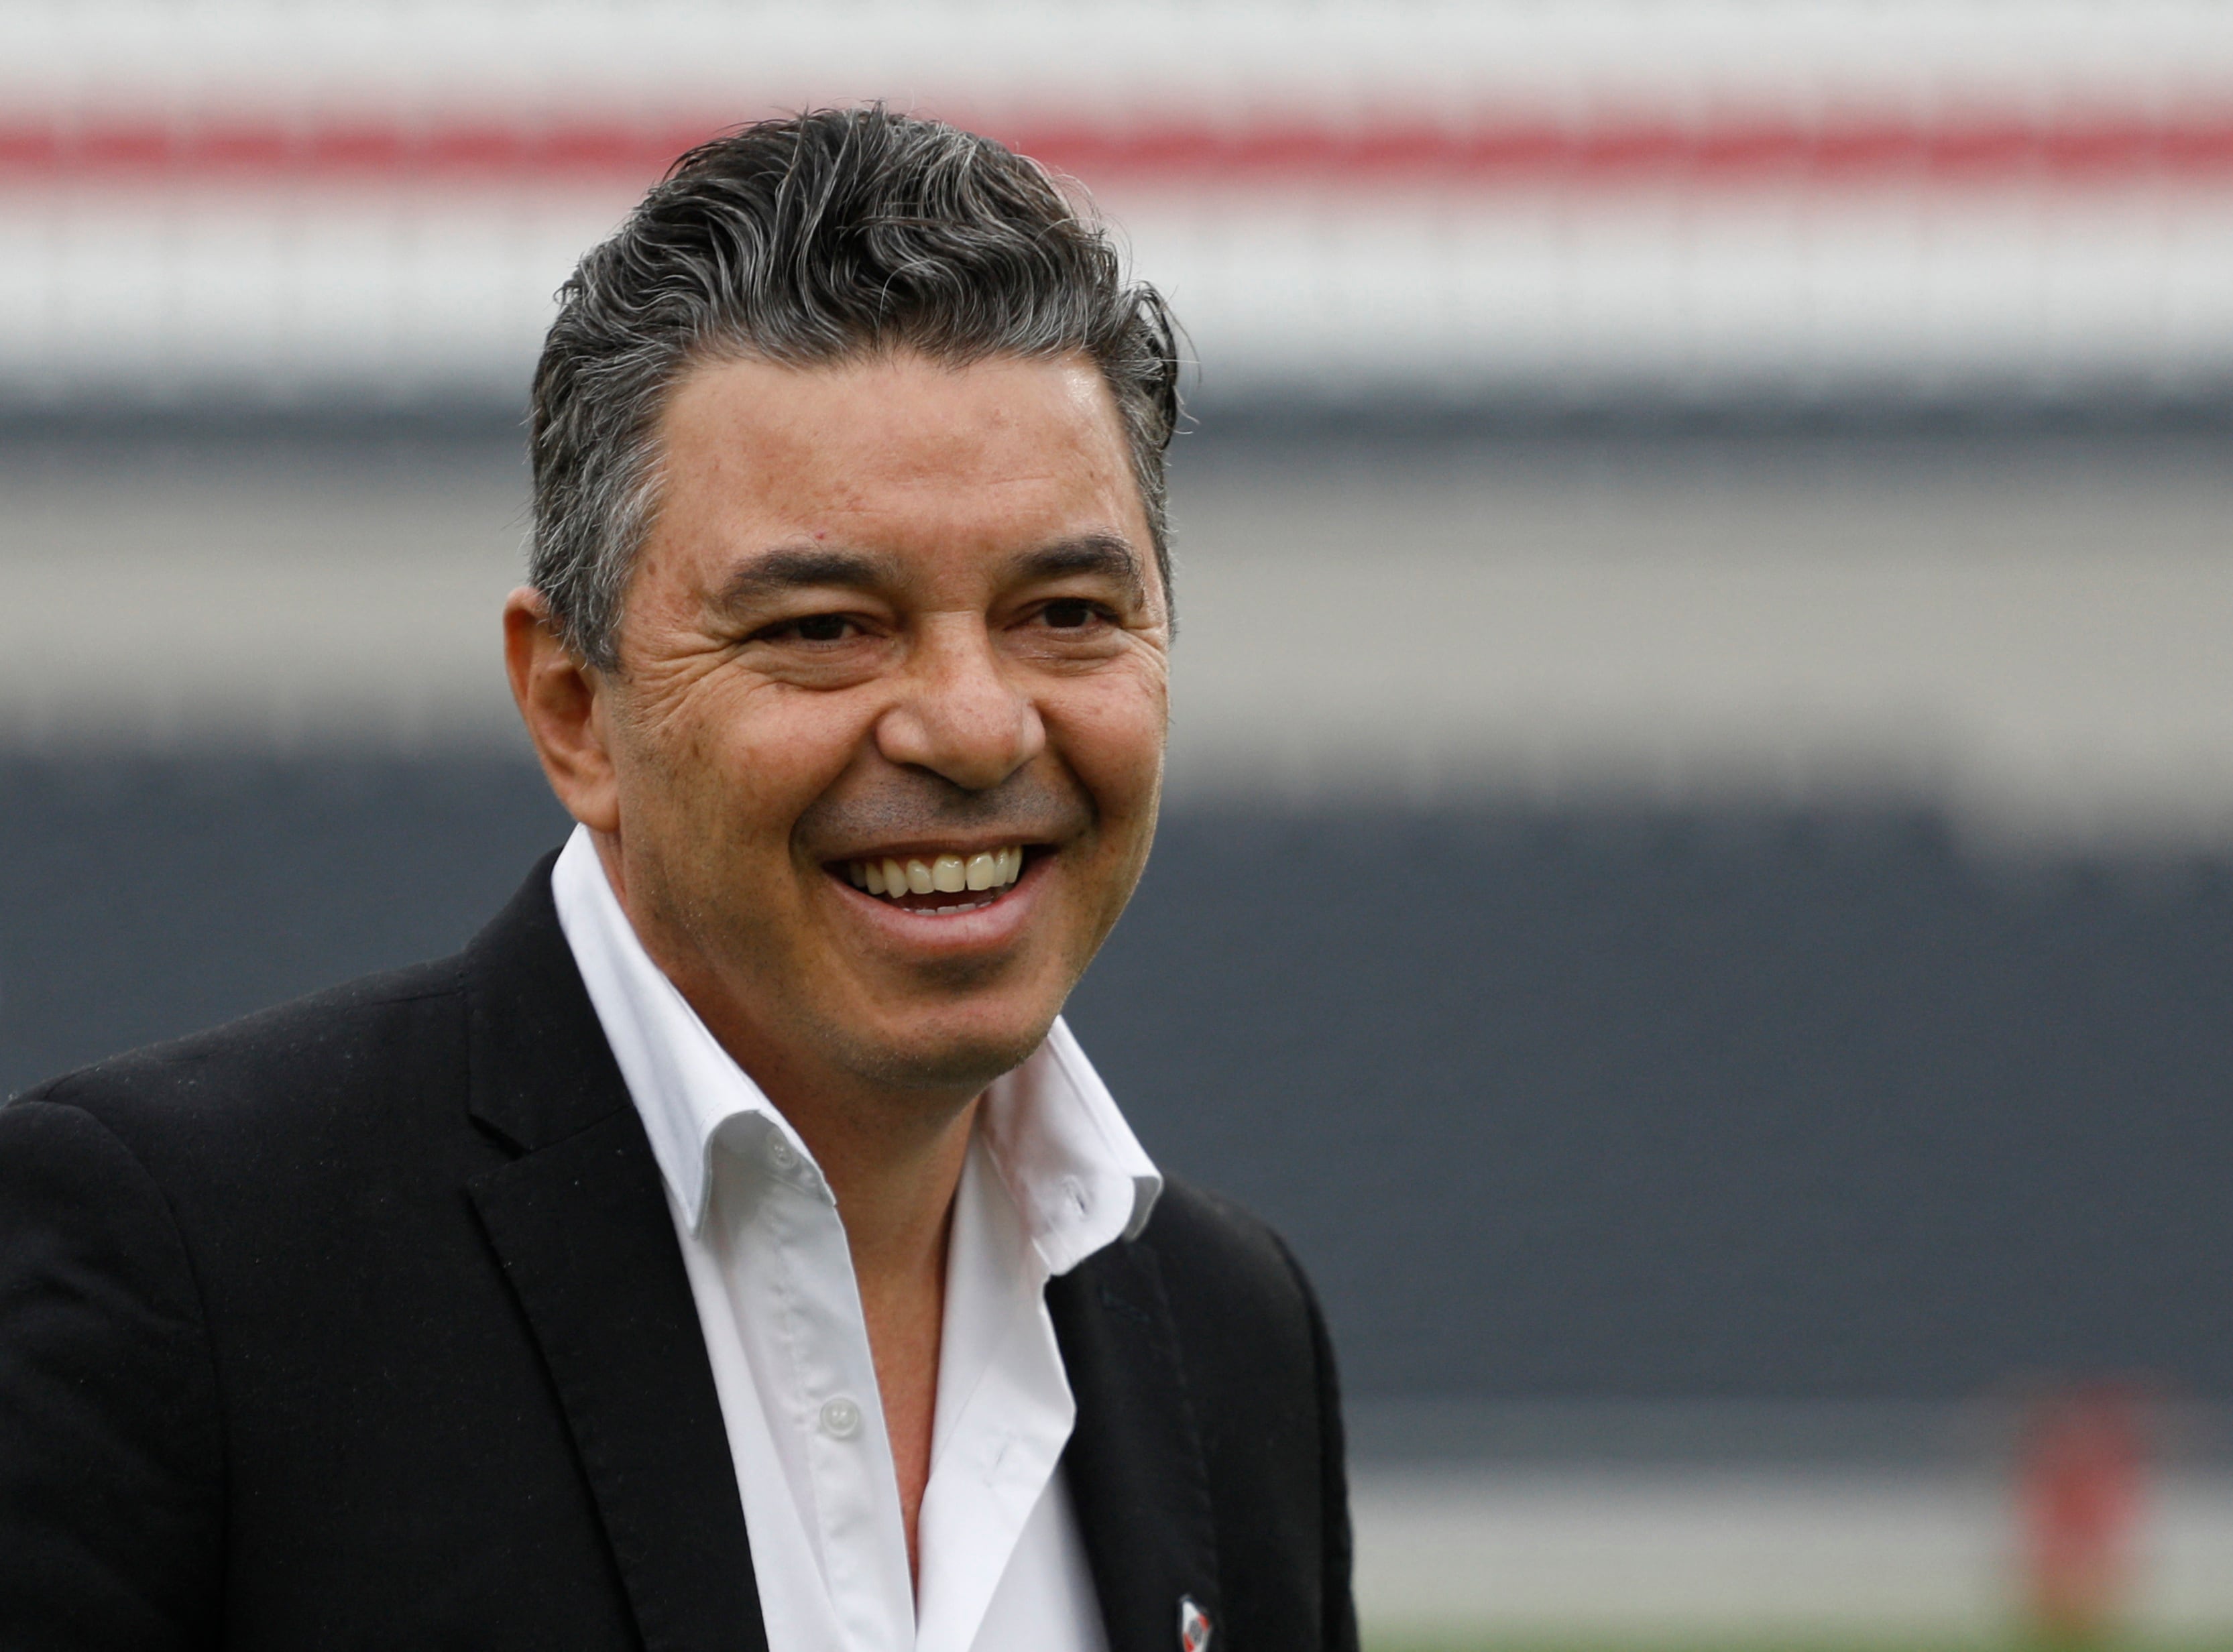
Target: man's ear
(563,701)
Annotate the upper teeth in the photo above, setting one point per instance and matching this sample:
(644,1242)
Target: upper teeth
(949,873)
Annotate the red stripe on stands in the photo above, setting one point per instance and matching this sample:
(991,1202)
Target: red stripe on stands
(1487,154)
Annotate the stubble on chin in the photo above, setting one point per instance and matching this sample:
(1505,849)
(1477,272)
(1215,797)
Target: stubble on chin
(944,1068)
(931,1055)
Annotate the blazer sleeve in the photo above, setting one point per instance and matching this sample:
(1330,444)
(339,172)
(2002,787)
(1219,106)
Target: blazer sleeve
(1338,1560)
(111,1460)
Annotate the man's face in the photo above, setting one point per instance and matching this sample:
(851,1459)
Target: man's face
(899,616)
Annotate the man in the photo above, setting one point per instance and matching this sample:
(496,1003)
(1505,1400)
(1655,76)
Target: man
(730,1248)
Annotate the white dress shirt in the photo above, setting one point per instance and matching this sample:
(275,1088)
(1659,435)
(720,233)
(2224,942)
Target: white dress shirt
(1053,1174)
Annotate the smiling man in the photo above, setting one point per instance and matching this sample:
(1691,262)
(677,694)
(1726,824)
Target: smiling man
(731,1248)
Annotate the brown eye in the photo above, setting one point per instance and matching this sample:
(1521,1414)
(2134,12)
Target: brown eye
(814,628)
(1069,613)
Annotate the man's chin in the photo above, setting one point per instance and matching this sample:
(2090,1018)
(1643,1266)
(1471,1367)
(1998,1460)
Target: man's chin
(955,1061)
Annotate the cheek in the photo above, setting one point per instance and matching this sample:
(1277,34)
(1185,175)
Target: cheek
(1112,735)
(725,762)
(786,748)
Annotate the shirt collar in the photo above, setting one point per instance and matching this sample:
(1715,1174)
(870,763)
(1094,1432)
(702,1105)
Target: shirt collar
(1077,1175)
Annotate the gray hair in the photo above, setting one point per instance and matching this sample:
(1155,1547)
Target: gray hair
(810,241)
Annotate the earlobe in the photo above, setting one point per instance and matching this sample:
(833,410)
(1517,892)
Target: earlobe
(561,700)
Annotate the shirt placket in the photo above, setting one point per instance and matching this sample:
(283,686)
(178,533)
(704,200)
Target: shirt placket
(836,1407)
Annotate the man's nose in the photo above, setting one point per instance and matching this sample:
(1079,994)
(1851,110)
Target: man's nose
(959,714)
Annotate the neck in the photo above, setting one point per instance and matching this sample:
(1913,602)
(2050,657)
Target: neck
(894,1188)
(893,1168)
(891,1154)
(893,1159)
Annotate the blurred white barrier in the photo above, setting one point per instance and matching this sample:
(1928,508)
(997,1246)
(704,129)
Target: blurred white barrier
(1543,300)
(1697,1551)
(2028,635)
(1848,1520)
(1692,296)
(1677,203)
(137,296)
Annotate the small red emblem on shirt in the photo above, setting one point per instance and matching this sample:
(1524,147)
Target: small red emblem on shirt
(1193,1626)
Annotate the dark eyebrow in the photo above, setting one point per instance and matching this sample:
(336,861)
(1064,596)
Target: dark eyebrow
(1106,554)
(790,568)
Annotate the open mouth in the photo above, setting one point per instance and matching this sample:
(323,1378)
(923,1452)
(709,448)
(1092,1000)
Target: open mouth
(941,885)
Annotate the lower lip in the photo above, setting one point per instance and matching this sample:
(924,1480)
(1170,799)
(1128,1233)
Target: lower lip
(978,929)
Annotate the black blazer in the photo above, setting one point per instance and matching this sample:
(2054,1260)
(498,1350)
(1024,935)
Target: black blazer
(361,1322)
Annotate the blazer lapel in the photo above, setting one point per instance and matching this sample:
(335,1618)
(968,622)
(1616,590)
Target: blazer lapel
(580,1222)
(1135,1460)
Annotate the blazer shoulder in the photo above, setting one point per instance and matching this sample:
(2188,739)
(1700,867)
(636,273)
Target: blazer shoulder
(1237,1293)
(1197,1232)
(347,1041)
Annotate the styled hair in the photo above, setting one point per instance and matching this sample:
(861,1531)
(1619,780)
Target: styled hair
(809,241)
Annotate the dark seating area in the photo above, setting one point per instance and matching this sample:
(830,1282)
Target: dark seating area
(1555,1103)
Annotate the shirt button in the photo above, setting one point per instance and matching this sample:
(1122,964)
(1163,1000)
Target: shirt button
(841,1418)
(779,1151)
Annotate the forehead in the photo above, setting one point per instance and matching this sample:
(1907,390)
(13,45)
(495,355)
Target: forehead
(898,452)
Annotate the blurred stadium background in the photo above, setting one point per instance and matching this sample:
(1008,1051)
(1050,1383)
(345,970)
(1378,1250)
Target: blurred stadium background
(1698,887)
